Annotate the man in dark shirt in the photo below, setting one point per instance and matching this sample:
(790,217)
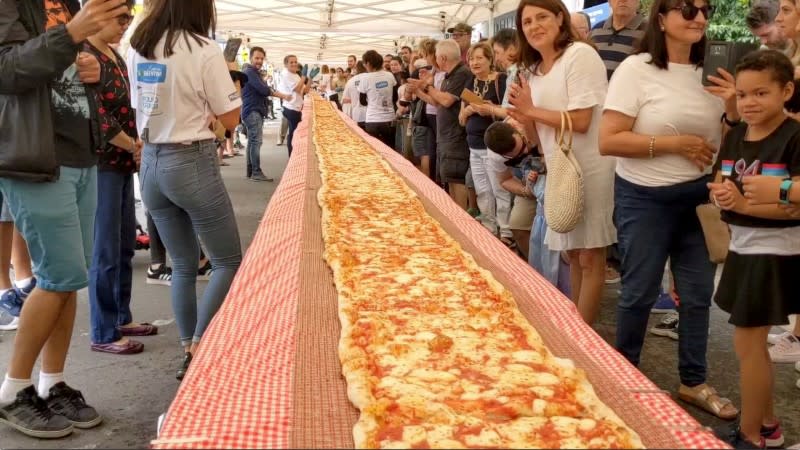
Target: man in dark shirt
(618,36)
(39,45)
(451,137)
(254,109)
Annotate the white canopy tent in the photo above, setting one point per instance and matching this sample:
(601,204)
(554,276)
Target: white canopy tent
(326,31)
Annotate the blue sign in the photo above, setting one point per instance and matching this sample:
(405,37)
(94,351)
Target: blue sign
(151,73)
(598,13)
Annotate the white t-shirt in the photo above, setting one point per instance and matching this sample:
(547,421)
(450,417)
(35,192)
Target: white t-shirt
(574,82)
(286,86)
(438,77)
(664,102)
(175,97)
(379,88)
(357,111)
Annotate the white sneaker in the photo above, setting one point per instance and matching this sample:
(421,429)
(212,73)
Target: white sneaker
(787,350)
(773,339)
(7,321)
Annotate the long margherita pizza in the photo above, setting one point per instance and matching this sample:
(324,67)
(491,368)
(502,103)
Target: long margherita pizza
(435,351)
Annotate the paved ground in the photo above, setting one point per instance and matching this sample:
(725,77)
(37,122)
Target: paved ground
(132,391)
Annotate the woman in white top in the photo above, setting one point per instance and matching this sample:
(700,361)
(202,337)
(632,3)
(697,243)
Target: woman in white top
(180,83)
(664,128)
(378,94)
(350,103)
(568,75)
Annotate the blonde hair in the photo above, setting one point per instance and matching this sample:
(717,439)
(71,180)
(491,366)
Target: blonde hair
(427,47)
(487,51)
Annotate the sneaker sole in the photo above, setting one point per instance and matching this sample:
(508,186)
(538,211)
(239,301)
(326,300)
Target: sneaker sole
(8,328)
(158,282)
(55,434)
(775,443)
(665,333)
(87,425)
(792,359)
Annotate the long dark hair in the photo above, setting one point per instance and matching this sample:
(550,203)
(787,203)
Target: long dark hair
(655,40)
(195,18)
(529,56)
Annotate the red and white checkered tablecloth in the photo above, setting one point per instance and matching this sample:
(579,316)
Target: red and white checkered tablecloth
(238,392)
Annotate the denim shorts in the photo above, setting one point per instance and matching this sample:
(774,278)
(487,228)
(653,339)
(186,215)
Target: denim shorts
(5,214)
(57,221)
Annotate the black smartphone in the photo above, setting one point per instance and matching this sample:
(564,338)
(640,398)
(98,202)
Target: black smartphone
(725,55)
(232,49)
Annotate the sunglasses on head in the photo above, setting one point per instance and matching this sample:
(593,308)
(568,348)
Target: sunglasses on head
(689,10)
(124,19)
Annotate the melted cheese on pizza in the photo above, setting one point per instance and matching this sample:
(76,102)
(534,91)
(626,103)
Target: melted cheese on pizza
(434,349)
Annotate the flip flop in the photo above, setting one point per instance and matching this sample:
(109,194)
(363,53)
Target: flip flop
(143,329)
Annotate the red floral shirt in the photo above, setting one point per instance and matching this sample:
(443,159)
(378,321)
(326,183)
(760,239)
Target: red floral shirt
(114,108)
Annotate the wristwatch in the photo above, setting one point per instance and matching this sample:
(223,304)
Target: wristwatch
(786,186)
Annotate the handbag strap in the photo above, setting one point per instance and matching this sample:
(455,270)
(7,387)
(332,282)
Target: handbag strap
(565,132)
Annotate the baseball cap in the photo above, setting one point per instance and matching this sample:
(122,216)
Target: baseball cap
(460,28)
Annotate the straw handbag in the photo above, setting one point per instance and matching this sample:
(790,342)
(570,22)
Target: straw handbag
(563,195)
(716,232)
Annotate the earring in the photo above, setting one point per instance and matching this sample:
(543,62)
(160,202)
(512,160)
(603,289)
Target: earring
(662,29)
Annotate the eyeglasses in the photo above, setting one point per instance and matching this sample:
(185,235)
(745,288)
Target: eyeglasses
(124,19)
(458,35)
(689,11)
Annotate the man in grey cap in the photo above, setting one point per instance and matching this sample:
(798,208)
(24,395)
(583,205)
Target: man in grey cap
(462,33)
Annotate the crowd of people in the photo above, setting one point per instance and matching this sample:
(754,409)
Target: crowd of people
(622,103)
(653,141)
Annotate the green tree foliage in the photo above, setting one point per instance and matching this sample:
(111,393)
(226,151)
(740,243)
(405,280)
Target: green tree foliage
(728,22)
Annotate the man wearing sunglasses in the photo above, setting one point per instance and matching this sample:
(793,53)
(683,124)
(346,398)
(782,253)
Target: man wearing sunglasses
(462,34)
(619,35)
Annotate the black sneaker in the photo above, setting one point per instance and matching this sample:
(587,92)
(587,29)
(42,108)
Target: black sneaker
(70,403)
(187,359)
(668,327)
(30,415)
(162,275)
(204,273)
(731,435)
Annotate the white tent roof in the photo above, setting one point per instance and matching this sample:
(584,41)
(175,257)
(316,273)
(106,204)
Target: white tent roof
(327,31)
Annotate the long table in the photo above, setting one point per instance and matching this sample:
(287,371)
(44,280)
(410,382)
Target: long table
(268,375)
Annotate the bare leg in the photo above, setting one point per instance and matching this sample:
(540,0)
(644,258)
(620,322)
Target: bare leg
(458,192)
(54,353)
(37,322)
(20,258)
(756,383)
(523,238)
(473,198)
(592,263)
(575,275)
(6,237)
(425,165)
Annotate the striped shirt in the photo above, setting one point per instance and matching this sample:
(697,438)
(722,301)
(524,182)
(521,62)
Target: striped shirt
(616,45)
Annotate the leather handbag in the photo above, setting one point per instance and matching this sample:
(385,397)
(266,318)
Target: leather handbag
(564,191)
(716,232)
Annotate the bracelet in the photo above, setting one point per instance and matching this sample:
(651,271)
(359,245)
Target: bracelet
(786,186)
(728,122)
(651,149)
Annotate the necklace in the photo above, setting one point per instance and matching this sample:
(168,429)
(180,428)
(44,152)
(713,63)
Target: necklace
(480,92)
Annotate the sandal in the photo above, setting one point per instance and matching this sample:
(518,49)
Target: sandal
(705,397)
(508,242)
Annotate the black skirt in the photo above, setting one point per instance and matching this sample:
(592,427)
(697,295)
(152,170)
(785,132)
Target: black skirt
(759,290)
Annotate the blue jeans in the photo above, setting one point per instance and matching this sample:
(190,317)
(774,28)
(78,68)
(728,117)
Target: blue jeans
(57,221)
(183,190)
(111,272)
(653,224)
(254,123)
(294,118)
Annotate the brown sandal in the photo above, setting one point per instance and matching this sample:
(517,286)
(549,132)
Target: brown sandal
(705,397)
